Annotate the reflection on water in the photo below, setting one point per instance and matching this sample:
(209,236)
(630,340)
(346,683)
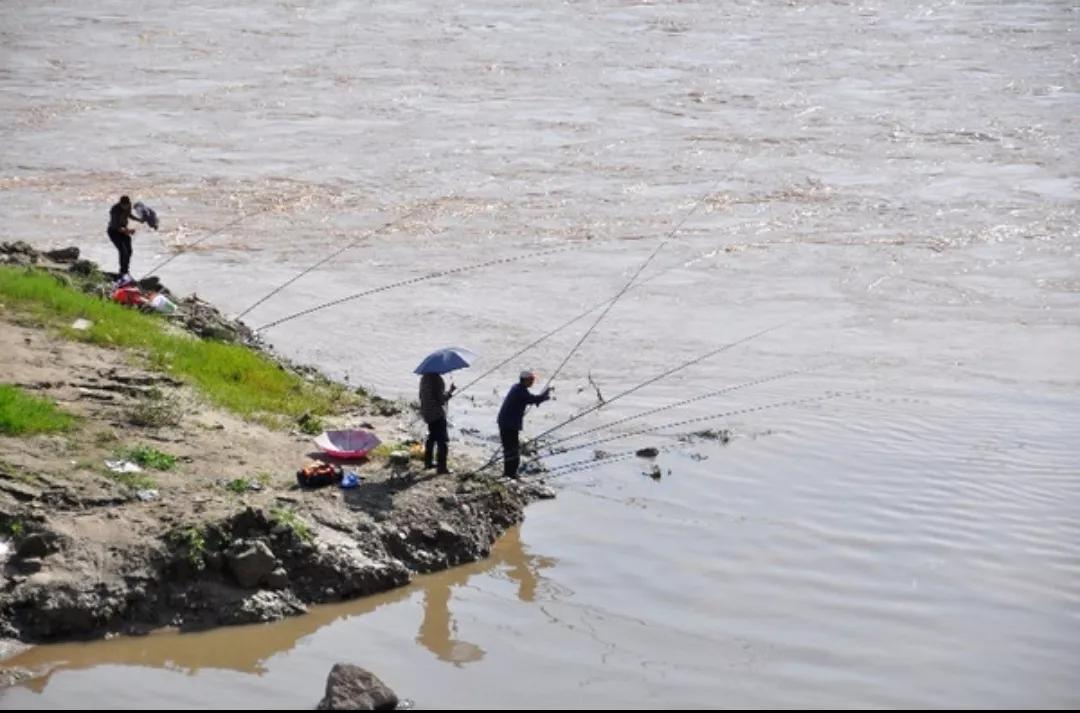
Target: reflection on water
(247,648)
(438,630)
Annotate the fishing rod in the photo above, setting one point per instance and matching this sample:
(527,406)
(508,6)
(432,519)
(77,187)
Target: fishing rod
(623,291)
(590,463)
(552,333)
(663,375)
(209,235)
(700,419)
(641,267)
(418,279)
(370,233)
(684,402)
(711,417)
(573,320)
(606,458)
(637,285)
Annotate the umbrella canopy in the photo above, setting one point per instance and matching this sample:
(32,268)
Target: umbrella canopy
(444,360)
(352,443)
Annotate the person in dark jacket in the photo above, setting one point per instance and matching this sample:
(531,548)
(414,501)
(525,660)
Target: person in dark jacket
(119,232)
(433,398)
(511,416)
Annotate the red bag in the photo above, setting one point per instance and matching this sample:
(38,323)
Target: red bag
(318,475)
(130,295)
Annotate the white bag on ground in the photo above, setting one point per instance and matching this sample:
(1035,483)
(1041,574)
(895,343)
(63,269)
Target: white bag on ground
(161,303)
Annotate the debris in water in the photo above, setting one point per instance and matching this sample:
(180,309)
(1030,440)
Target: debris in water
(723,435)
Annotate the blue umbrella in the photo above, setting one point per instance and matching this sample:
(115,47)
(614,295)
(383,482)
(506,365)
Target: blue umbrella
(445,360)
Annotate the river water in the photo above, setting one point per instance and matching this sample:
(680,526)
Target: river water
(890,185)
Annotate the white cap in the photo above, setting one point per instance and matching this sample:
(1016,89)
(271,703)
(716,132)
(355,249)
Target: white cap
(526,374)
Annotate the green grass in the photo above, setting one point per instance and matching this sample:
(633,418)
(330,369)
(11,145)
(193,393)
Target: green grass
(238,486)
(311,425)
(148,457)
(289,518)
(192,539)
(243,485)
(230,375)
(383,450)
(23,414)
(14,528)
(134,481)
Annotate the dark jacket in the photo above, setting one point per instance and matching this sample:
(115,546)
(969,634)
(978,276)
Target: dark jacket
(433,397)
(513,408)
(119,217)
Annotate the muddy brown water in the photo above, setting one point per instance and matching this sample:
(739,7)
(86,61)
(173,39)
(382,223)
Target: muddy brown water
(897,180)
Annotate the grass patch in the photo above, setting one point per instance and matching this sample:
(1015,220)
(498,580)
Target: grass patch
(238,486)
(229,375)
(289,518)
(192,540)
(414,448)
(13,529)
(259,481)
(133,481)
(310,424)
(24,414)
(383,450)
(148,457)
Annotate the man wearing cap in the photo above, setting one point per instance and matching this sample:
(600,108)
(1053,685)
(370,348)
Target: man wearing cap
(511,416)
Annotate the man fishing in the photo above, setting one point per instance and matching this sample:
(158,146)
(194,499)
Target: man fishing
(120,234)
(433,398)
(511,416)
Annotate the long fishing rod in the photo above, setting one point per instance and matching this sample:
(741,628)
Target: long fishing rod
(437,274)
(596,462)
(700,419)
(335,254)
(552,333)
(663,375)
(711,417)
(330,257)
(573,320)
(684,402)
(212,233)
(370,233)
(540,340)
(590,463)
(641,267)
(420,278)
